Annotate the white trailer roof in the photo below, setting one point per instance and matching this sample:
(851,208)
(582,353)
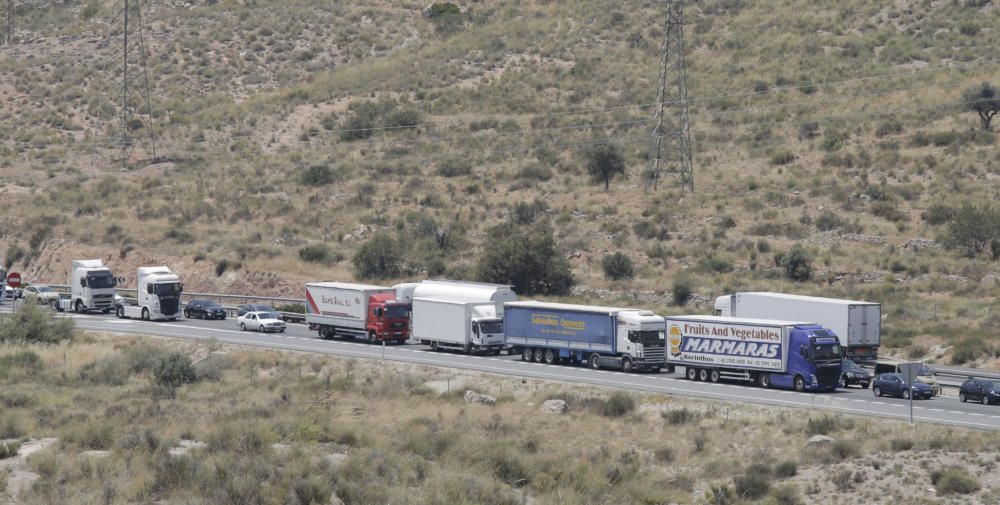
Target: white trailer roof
(348,285)
(462,290)
(739,320)
(804,298)
(452,302)
(576,308)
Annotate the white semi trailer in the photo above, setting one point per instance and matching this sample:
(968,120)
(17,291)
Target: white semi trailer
(92,287)
(159,296)
(857,324)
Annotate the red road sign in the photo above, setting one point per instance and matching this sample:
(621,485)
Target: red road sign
(14,280)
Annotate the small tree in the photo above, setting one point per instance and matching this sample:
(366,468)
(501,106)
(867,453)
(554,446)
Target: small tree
(682,291)
(983,100)
(604,161)
(174,370)
(526,258)
(797,264)
(33,325)
(973,229)
(379,258)
(618,266)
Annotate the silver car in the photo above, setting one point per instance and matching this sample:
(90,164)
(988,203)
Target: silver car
(260,321)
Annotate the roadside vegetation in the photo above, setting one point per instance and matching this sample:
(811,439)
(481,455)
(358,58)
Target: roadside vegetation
(843,149)
(117,420)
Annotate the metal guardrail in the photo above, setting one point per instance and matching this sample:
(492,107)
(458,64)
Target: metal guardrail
(221,298)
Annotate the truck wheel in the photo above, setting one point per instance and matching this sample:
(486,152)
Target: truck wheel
(105,311)
(595,361)
(371,337)
(800,383)
(703,375)
(120,312)
(145,314)
(539,356)
(691,373)
(78,307)
(655,369)
(526,354)
(713,376)
(626,365)
(550,357)
(764,379)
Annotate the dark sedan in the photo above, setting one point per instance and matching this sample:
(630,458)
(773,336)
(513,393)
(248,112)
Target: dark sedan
(892,384)
(980,390)
(851,373)
(204,309)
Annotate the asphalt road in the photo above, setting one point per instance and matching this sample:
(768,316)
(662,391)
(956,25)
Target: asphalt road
(852,401)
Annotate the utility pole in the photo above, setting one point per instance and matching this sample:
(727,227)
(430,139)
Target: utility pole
(670,150)
(134,115)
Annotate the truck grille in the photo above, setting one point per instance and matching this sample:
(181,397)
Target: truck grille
(655,354)
(828,376)
(168,306)
(103,301)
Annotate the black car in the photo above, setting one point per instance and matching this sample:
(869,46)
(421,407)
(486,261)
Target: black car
(980,390)
(256,307)
(892,384)
(851,373)
(204,309)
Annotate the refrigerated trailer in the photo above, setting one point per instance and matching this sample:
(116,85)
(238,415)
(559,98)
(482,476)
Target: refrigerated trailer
(627,339)
(857,324)
(341,309)
(465,326)
(787,354)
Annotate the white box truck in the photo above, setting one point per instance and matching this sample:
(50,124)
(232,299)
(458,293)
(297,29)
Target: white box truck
(462,291)
(92,287)
(857,324)
(449,324)
(341,309)
(159,296)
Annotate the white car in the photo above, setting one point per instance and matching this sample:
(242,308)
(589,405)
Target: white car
(40,294)
(260,321)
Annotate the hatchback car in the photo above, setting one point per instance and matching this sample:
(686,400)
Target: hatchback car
(852,373)
(260,321)
(892,384)
(204,309)
(40,294)
(980,390)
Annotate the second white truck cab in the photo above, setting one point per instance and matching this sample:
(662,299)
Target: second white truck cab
(158,298)
(92,287)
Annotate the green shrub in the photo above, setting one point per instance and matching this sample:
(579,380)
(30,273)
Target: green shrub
(316,175)
(901,444)
(782,158)
(32,324)
(174,370)
(754,483)
(454,167)
(968,349)
(8,449)
(680,416)
(93,435)
(526,258)
(618,404)
(828,221)
(379,258)
(785,495)
(319,253)
(617,266)
(797,264)
(843,449)
(311,491)
(11,426)
(27,361)
(786,469)
(682,290)
(954,481)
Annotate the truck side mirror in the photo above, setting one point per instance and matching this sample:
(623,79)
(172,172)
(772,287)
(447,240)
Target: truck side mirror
(378,312)
(83,282)
(149,288)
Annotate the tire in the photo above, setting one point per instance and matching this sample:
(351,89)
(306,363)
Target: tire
(714,376)
(799,383)
(120,312)
(106,311)
(496,352)
(145,314)
(905,394)
(986,399)
(691,373)
(243,327)
(595,361)
(843,382)
(526,354)
(539,356)
(962,398)
(550,356)
(78,307)
(434,347)
(764,380)
(655,369)
(703,374)
(626,365)
(371,337)
(187,314)
(877,390)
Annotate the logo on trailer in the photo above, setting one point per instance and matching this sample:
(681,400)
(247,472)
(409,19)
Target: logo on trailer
(675,340)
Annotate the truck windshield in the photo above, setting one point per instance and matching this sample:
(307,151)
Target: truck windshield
(824,351)
(489,327)
(394,311)
(648,337)
(173,288)
(100,280)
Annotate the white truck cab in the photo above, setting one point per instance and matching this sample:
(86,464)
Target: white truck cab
(92,287)
(642,335)
(158,298)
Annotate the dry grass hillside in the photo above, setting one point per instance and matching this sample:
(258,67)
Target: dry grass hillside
(291,133)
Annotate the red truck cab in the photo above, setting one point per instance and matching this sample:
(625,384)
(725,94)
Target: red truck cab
(388,319)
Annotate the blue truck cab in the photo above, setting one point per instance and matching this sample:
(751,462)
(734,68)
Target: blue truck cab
(814,357)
